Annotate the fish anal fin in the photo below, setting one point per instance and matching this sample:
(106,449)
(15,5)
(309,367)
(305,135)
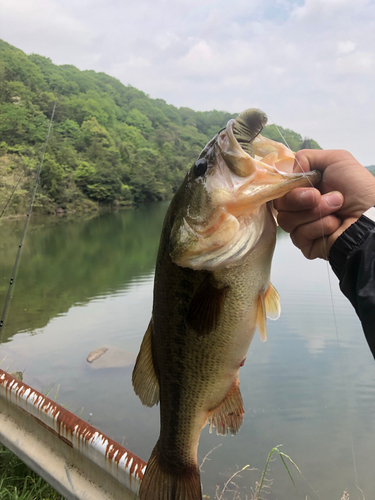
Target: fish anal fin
(144,378)
(206,307)
(228,416)
(169,482)
(272,302)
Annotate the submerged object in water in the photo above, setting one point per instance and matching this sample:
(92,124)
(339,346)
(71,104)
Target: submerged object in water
(212,289)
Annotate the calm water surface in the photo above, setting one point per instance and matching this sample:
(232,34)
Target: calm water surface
(84,284)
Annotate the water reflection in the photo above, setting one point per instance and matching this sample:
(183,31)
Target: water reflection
(68,262)
(86,284)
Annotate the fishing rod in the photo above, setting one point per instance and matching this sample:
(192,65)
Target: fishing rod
(14,272)
(10,197)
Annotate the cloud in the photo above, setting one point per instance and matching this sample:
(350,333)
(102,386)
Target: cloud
(308,63)
(52,23)
(358,62)
(324,9)
(346,47)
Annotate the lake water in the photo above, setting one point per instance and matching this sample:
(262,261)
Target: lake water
(87,283)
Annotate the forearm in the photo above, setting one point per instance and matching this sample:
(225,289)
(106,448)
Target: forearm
(352,258)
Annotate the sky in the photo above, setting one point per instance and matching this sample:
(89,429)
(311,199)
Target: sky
(309,64)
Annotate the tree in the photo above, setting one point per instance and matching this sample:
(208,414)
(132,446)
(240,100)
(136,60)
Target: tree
(138,120)
(109,142)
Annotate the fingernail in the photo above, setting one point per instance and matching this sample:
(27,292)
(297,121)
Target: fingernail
(307,198)
(334,199)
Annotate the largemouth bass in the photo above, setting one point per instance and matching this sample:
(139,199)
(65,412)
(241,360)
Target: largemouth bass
(212,289)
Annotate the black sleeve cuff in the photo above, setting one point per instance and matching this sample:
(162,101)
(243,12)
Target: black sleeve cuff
(348,241)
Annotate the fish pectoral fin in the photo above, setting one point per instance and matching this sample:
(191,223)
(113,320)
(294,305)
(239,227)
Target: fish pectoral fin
(268,307)
(228,416)
(261,318)
(144,379)
(272,301)
(206,307)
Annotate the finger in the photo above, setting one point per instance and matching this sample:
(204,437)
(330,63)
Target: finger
(320,247)
(306,234)
(310,159)
(298,199)
(329,203)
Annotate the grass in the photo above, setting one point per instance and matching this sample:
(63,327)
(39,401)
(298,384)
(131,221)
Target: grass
(19,482)
(230,491)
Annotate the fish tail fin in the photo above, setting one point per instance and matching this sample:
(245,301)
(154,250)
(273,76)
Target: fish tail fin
(159,483)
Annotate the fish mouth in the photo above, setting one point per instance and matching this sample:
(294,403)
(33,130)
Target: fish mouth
(247,182)
(239,188)
(237,227)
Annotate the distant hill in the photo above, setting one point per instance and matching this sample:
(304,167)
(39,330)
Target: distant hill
(111,144)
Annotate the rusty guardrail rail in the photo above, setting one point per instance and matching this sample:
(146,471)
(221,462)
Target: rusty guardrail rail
(80,462)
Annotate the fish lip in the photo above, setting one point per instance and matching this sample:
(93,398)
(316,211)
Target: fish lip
(263,182)
(249,197)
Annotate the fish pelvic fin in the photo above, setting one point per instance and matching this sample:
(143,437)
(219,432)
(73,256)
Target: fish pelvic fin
(206,307)
(163,483)
(228,416)
(144,379)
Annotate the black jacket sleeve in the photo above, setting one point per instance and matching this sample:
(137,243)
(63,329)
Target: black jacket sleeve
(352,258)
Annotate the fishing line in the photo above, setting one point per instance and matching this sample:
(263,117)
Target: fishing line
(10,197)
(344,377)
(14,272)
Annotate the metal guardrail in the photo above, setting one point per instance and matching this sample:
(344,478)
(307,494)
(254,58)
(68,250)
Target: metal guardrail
(80,462)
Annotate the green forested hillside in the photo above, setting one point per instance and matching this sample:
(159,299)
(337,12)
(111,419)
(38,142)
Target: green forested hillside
(110,144)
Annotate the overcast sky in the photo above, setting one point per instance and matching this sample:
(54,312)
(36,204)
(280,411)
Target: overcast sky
(309,64)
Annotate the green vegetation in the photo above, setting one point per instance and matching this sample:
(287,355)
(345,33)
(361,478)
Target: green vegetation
(292,139)
(111,145)
(19,482)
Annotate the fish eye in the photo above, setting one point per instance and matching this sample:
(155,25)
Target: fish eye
(200,167)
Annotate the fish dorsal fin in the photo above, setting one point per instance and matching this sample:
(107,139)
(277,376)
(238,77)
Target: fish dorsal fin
(228,416)
(272,302)
(206,307)
(145,380)
(261,318)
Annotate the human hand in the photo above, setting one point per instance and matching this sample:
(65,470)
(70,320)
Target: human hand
(315,217)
